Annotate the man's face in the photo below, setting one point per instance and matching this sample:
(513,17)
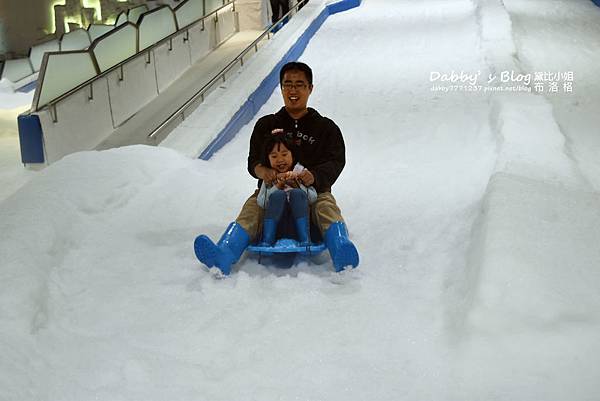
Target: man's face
(295,90)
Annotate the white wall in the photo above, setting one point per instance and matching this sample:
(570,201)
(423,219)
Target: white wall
(3,39)
(253,14)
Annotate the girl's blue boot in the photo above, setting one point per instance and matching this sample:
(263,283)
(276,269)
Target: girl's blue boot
(269,231)
(302,229)
(342,250)
(226,252)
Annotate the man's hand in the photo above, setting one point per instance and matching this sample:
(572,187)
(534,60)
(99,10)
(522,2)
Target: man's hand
(306,177)
(266,174)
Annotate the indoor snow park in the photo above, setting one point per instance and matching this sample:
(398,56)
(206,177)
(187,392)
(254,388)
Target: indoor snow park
(427,225)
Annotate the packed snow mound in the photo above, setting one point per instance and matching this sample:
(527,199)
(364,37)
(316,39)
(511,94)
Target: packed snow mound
(100,285)
(9,99)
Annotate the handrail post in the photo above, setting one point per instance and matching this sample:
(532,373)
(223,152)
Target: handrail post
(53,113)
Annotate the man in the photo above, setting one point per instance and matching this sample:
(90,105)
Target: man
(322,152)
(277,14)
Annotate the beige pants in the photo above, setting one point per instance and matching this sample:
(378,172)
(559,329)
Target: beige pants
(323,212)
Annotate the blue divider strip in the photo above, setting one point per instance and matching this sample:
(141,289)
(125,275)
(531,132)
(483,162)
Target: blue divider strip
(30,139)
(260,96)
(27,87)
(343,6)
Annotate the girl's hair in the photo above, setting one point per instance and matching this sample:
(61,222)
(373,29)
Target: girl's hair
(270,143)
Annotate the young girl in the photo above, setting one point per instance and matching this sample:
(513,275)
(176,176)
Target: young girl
(286,200)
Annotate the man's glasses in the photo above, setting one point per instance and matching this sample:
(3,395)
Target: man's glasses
(289,86)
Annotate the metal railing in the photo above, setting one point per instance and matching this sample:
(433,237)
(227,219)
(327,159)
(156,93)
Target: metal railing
(221,76)
(52,104)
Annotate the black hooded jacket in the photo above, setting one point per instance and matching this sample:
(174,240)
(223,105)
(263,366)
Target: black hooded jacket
(320,143)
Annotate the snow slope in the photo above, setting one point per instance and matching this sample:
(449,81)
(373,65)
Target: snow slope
(101,296)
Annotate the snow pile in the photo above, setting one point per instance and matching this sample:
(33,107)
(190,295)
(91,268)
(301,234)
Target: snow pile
(533,307)
(530,288)
(571,48)
(495,28)
(531,144)
(11,105)
(9,99)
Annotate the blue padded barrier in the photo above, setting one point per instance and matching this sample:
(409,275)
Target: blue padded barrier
(596,2)
(30,138)
(260,96)
(27,87)
(342,6)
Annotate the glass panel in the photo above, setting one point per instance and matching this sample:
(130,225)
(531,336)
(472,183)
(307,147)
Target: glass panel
(212,5)
(156,25)
(64,72)
(121,19)
(134,13)
(117,46)
(17,69)
(189,12)
(37,53)
(75,40)
(97,30)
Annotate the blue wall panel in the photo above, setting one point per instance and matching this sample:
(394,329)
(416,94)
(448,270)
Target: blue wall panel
(30,138)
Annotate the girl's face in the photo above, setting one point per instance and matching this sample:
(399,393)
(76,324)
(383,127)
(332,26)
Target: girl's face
(280,158)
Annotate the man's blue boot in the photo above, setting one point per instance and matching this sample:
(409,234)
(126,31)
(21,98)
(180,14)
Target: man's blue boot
(302,229)
(226,252)
(342,250)
(269,231)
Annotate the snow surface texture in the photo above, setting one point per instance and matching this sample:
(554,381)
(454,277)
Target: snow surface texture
(478,275)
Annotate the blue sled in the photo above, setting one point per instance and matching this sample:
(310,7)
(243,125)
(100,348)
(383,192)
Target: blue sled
(287,245)
(342,250)
(235,240)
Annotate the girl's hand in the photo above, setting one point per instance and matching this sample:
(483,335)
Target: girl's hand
(288,175)
(293,183)
(280,180)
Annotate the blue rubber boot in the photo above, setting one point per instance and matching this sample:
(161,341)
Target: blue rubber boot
(342,250)
(226,252)
(302,231)
(269,231)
